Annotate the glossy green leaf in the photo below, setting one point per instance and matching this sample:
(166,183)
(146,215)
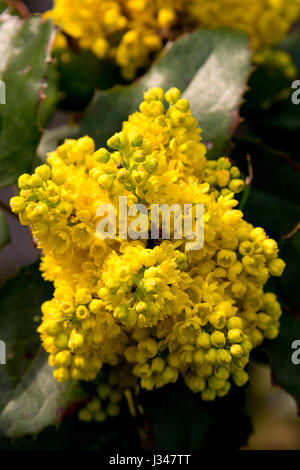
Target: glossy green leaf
(211,68)
(285,372)
(24,49)
(50,96)
(277,215)
(289,282)
(52,138)
(179,419)
(80,75)
(30,397)
(116,433)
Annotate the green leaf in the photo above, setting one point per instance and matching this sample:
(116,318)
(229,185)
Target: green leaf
(116,433)
(179,419)
(38,400)
(30,397)
(278,216)
(50,96)
(285,373)
(289,282)
(52,138)
(24,49)
(211,68)
(4,232)
(80,75)
(286,115)
(265,85)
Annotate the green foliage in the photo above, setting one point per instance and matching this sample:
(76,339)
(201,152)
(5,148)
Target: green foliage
(52,138)
(179,419)
(30,397)
(285,373)
(271,138)
(119,433)
(24,51)
(211,68)
(80,75)
(289,283)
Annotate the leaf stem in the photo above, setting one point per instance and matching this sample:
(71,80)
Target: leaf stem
(271,151)
(248,182)
(292,232)
(20,7)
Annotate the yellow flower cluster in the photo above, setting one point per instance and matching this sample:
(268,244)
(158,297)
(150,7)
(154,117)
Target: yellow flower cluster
(150,305)
(130,32)
(127,31)
(266,21)
(106,403)
(277,59)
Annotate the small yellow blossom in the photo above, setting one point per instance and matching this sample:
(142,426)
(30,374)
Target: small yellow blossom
(154,312)
(131,32)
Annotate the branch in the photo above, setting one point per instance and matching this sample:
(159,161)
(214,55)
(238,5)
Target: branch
(282,155)
(248,182)
(20,7)
(292,232)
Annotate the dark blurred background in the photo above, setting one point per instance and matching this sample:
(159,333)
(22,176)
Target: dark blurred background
(38,5)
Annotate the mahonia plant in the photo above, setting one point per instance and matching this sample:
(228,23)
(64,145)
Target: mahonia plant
(106,403)
(131,32)
(151,307)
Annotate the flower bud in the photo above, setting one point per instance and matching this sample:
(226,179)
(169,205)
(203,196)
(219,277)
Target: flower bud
(61,374)
(234,322)
(154,94)
(218,339)
(23,181)
(83,297)
(106,181)
(17,204)
(222,372)
(240,377)
(76,340)
(150,165)
(113,409)
(85,415)
(215,384)
(61,341)
(117,141)
(236,350)
(100,416)
(208,394)
(116,396)
(172,95)
(158,365)
(203,340)
(102,155)
(223,357)
(63,359)
(43,171)
(276,267)
(236,186)
(235,335)
(94,405)
(103,391)
(211,356)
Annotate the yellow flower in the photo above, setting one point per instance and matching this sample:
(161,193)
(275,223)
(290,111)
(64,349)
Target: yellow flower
(131,32)
(152,311)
